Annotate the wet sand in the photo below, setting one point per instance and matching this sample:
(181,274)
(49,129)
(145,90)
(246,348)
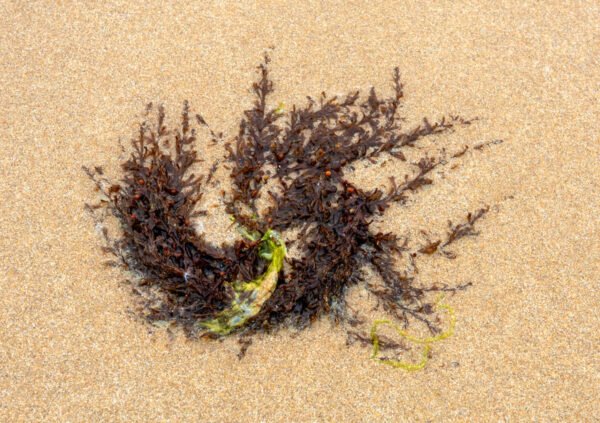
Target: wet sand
(76,78)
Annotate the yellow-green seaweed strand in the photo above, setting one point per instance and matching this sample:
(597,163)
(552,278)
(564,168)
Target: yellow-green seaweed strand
(426,342)
(250,296)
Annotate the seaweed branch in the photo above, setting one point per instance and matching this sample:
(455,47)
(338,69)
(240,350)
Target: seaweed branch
(305,153)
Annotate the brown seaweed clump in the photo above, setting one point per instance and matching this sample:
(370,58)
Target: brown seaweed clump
(297,161)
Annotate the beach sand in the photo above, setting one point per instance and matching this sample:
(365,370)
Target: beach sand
(75,79)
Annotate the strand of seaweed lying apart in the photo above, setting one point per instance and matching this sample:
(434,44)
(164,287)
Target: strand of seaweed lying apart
(298,160)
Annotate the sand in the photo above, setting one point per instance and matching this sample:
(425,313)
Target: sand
(75,78)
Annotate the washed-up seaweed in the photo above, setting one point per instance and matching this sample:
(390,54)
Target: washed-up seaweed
(296,160)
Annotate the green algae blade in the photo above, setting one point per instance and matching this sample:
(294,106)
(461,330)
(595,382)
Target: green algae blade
(250,296)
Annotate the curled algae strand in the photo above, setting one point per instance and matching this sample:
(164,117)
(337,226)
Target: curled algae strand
(404,334)
(250,296)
